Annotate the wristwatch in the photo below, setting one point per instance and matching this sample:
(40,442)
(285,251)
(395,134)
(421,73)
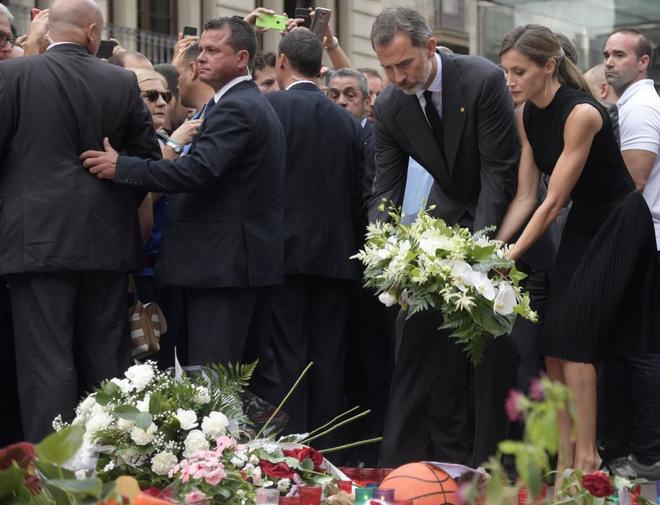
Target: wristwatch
(177,148)
(334,45)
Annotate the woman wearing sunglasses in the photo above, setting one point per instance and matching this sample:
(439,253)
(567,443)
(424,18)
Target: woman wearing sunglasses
(153,89)
(156,96)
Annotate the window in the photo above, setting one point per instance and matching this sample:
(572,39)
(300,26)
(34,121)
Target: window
(157,16)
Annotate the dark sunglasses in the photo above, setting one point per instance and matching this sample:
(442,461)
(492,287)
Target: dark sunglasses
(6,39)
(152,95)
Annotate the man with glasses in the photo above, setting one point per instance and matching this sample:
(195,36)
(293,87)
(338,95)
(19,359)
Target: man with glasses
(67,240)
(6,37)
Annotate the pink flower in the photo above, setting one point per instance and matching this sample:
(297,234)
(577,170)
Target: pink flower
(225,442)
(514,405)
(536,389)
(195,497)
(213,478)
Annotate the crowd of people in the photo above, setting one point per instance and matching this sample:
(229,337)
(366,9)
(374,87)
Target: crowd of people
(235,185)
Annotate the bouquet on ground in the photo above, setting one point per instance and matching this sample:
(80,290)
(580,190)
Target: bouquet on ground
(429,265)
(189,437)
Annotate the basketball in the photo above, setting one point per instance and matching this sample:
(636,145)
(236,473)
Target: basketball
(422,483)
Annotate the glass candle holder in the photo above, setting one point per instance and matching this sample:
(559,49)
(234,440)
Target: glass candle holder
(386,495)
(267,497)
(345,485)
(289,500)
(310,495)
(363,495)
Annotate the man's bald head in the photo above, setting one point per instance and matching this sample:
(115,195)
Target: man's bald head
(597,81)
(79,21)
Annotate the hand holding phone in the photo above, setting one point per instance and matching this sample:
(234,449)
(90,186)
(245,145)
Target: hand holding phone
(105,49)
(271,21)
(320,21)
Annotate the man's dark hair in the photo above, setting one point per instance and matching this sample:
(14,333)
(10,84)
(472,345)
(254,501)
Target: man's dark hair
(394,20)
(242,34)
(304,51)
(262,60)
(643,44)
(190,54)
(119,59)
(171,76)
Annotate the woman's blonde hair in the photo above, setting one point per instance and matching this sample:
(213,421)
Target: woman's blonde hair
(149,75)
(540,45)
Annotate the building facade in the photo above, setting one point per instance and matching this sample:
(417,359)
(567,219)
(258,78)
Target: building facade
(465,26)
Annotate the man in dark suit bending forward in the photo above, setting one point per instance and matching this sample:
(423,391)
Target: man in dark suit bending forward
(453,114)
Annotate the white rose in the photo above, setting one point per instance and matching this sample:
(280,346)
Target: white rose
(187,419)
(140,376)
(505,300)
(215,424)
(254,460)
(163,462)
(387,299)
(125,424)
(202,395)
(142,437)
(123,384)
(98,422)
(283,485)
(195,441)
(86,405)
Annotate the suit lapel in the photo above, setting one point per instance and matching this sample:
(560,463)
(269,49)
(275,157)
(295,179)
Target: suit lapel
(454,109)
(416,129)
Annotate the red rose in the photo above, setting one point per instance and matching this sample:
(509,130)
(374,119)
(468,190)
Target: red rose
(598,484)
(306,452)
(33,484)
(23,453)
(278,471)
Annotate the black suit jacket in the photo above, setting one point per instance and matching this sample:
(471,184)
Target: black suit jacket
(370,165)
(227,230)
(54,215)
(477,182)
(324,177)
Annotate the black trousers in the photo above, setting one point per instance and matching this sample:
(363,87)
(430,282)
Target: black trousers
(629,402)
(440,408)
(310,323)
(71,334)
(233,325)
(10,418)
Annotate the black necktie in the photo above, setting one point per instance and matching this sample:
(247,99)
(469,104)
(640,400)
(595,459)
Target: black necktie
(613,111)
(207,107)
(434,120)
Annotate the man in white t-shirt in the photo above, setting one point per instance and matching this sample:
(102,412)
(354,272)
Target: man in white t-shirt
(632,384)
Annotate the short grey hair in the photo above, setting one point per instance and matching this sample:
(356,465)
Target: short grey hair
(4,11)
(354,73)
(395,20)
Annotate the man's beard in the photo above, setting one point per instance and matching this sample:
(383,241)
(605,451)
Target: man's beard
(420,84)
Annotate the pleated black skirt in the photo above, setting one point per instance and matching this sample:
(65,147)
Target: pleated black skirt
(601,299)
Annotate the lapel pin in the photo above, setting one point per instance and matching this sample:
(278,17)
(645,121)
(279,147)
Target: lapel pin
(462,109)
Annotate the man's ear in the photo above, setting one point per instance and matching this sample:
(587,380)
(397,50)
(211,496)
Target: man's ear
(644,63)
(430,46)
(193,70)
(282,61)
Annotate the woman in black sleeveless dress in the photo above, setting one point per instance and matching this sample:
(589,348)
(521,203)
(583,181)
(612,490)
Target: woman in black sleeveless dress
(601,288)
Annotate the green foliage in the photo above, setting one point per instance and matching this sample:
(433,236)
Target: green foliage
(226,384)
(61,446)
